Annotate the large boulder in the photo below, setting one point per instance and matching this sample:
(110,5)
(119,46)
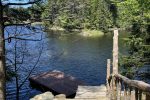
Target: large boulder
(44,96)
(60,97)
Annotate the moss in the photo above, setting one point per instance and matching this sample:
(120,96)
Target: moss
(37,23)
(91,33)
(83,32)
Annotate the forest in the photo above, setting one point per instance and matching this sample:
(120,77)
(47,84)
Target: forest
(70,16)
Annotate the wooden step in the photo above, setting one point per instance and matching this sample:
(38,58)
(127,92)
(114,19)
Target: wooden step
(91,93)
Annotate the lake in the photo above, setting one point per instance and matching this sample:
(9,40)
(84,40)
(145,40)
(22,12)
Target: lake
(82,57)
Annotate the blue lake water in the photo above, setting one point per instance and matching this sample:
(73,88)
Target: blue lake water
(82,57)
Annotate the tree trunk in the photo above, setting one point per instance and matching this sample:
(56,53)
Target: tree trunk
(2,55)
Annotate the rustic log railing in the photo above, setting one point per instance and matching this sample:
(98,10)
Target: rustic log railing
(120,87)
(124,88)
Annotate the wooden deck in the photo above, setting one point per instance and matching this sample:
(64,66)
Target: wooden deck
(91,93)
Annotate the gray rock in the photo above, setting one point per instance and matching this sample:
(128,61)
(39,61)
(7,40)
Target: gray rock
(60,97)
(44,96)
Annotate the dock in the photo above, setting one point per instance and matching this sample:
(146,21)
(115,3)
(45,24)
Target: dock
(57,82)
(91,93)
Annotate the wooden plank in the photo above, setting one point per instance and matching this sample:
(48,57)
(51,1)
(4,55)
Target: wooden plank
(91,92)
(136,94)
(57,81)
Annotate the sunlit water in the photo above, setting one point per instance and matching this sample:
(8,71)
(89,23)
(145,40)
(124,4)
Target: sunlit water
(81,57)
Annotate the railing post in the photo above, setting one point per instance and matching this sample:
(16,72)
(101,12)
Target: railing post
(115,52)
(115,62)
(147,97)
(108,75)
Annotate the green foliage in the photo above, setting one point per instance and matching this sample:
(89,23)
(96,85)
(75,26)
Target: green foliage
(135,44)
(129,65)
(17,14)
(36,10)
(135,14)
(77,14)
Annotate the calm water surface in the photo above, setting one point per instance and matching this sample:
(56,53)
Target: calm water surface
(81,57)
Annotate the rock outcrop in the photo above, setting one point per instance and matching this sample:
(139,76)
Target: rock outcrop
(49,96)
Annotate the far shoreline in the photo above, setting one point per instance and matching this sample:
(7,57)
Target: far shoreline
(81,32)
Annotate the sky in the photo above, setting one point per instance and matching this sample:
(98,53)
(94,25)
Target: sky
(17,1)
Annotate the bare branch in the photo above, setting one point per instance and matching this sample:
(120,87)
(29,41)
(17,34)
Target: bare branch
(9,60)
(19,24)
(17,36)
(23,56)
(32,68)
(24,39)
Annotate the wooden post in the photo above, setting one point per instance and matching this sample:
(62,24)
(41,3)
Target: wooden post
(136,94)
(115,52)
(147,96)
(108,74)
(140,95)
(119,90)
(130,93)
(115,62)
(125,92)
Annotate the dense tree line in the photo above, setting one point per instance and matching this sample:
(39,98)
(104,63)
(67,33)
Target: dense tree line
(135,14)
(70,14)
(19,14)
(36,10)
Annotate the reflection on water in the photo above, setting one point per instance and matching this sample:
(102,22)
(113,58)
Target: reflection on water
(84,58)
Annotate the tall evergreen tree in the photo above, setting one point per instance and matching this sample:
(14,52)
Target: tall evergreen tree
(135,14)
(70,14)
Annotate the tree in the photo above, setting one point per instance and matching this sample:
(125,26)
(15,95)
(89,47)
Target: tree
(36,10)
(2,53)
(79,14)
(18,53)
(3,24)
(135,15)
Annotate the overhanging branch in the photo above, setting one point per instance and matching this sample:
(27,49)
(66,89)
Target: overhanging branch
(19,24)
(23,39)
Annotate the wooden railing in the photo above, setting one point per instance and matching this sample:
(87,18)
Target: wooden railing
(121,88)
